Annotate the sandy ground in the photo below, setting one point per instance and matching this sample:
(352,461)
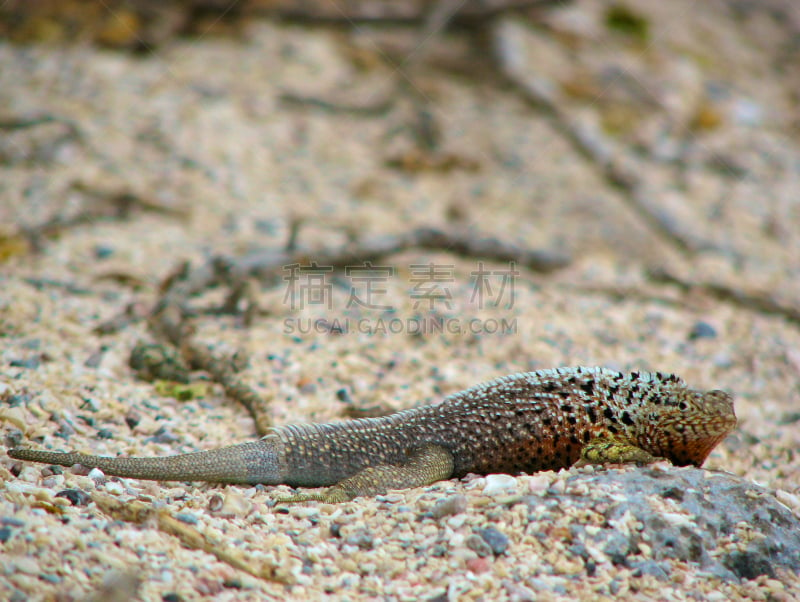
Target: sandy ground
(705,108)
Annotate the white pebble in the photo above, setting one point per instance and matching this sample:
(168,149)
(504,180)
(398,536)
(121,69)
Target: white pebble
(114,487)
(788,499)
(456,522)
(538,484)
(96,474)
(499,483)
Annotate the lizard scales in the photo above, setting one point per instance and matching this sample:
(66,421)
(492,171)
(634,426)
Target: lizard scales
(519,423)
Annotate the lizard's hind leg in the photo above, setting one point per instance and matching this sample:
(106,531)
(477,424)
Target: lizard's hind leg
(425,465)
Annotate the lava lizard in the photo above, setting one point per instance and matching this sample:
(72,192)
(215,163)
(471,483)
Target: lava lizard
(525,422)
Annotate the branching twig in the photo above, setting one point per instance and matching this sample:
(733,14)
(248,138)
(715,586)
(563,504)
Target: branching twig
(591,145)
(169,320)
(137,512)
(759,301)
(105,204)
(472,12)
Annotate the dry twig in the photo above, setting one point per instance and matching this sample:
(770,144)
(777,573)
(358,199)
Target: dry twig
(759,301)
(619,172)
(137,512)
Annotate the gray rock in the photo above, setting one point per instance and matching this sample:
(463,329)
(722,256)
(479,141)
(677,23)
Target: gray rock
(449,506)
(704,511)
(496,540)
(477,544)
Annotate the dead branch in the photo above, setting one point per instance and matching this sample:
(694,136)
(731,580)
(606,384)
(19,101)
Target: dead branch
(615,169)
(759,301)
(138,512)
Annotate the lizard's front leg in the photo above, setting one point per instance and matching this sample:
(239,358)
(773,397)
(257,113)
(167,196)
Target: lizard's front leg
(604,450)
(424,465)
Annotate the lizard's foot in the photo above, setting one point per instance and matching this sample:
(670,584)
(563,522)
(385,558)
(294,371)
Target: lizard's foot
(614,451)
(330,495)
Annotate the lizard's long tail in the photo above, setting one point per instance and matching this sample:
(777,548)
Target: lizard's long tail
(252,462)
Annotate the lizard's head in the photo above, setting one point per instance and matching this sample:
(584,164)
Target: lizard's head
(687,424)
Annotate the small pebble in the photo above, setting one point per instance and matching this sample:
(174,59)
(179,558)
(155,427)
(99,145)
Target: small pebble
(114,487)
(499,483)
(477,544)
(185,517)
(75,496)
(456,522)
(30,363)
(538,484)
(497,540)
(162,435)
(5,534)
(449,506)
(478,565)
(788,499)
(215,503)
(235,505)
(96,475)
(27,565)
(617,548)
(102,251)
(95,359)
(343,394)
(133,418)
(362,540)
(519,592)
(702,330)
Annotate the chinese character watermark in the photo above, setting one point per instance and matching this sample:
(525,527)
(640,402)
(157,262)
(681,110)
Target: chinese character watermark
(484,290)
(427,280)
(367,277)
(307,285)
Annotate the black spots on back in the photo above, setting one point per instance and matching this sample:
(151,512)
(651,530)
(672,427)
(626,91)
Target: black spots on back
(612,390)
(626,419)
(587,436)
(609,414)
(574,439)
(565,394)
(572,419)
(612,429)
(566,408)
(549,387)
(588,387)
(532,430)
(591,413)
(634,375)
(548,421)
